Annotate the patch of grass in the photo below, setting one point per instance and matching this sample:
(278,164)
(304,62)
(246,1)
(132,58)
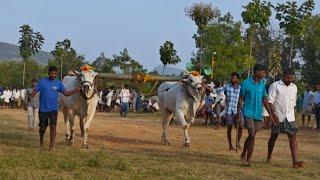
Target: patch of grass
(122,165)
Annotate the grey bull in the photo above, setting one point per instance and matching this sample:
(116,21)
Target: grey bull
(182,99)
(82,105)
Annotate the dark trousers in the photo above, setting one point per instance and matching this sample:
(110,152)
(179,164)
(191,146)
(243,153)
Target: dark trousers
(317,111)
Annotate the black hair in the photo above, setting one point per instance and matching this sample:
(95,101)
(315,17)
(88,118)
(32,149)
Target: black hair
(34,80)
(217,84)
(288,72)
(52,68)
(235,74)
(259,67)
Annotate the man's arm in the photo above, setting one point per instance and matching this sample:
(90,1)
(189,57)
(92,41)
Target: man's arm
(268,103)
(239,108)
(270,108)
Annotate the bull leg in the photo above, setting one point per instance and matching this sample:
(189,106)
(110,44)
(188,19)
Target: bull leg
(71,128)
(81,127)
(86,130)
(185,128)
(166,118)
(66,122)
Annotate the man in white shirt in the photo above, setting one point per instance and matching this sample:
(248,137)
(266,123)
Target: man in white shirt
(282,100)
(125,98)
(16,97)
(23,96)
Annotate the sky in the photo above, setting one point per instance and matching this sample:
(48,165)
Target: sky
(109,26)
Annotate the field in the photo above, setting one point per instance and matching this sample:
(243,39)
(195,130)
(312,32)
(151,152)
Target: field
(130,149)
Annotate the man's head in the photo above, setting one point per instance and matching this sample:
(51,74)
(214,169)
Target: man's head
(318,87)
(309,88)
(259,71)
(126,86)
(34,82)
(234,78)
(288,76)
(52,72)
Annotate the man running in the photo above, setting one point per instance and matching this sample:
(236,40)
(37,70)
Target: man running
(48,111)
(252,97)
(282,99)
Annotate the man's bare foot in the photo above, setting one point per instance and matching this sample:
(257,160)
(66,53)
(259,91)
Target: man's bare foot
(243,158)
(50,148)
(299,164)
(269,160)
(239,147)
(231,148)
(247,164)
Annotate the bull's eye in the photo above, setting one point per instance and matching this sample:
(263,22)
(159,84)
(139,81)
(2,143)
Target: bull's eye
(191,81)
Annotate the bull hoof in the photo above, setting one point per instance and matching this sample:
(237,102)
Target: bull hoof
(165,142)
(70,143)
(186,144)
(85,146)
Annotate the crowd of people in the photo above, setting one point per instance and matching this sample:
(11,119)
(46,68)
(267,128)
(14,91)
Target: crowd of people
(12,98)
(124,100)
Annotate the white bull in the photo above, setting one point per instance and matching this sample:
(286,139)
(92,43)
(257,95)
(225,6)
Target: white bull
(82,105)
(182,99)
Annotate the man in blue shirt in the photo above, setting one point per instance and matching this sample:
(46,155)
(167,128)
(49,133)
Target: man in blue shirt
(252,97)
(232,92)
(49,89)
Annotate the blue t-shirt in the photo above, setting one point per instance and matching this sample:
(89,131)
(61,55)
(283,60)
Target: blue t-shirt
(49,94)
(253,94)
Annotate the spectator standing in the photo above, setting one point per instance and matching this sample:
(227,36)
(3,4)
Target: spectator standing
(317,106)
(32,104)
(125,98)
(308,101)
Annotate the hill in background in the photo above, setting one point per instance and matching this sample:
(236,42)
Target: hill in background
(10,52)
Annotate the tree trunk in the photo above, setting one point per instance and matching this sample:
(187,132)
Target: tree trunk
(250,53)
(24,72)
(164,67)
(291,50)
(61,69)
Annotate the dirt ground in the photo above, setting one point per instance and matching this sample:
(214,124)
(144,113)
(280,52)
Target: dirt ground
(141,132)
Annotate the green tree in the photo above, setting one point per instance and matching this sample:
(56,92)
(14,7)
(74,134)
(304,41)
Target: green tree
(310,51)
(168,55)
(103,64)
(293,20)
(202,14)
(30,43)
(126,63)
(14,68)
(257,14)
(65,57)
(225,48)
